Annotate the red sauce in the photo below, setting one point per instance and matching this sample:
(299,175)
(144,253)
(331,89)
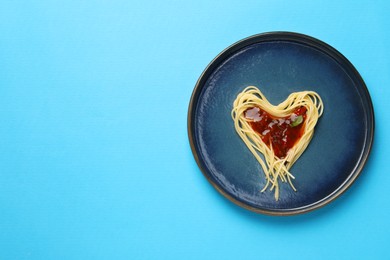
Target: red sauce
(277,131)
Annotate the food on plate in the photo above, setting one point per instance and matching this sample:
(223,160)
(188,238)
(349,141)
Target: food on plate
(276,135)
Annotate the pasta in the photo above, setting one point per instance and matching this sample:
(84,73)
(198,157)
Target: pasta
(260,124)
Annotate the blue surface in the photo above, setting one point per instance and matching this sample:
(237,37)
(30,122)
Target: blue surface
(94,156)
(279,68)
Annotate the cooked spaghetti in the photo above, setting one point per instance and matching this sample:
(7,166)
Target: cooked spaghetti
(276,135)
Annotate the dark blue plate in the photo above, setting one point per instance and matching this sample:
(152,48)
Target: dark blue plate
(279,63)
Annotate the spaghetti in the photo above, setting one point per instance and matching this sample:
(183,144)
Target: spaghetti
(276,135)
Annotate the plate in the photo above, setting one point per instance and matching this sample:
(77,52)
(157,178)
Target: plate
(279,63)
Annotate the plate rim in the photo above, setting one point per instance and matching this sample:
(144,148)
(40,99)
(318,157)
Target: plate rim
(317,44)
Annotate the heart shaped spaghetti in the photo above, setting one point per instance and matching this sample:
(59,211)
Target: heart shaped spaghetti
(276,135)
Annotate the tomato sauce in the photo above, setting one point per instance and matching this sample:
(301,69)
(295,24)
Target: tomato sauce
(280,132)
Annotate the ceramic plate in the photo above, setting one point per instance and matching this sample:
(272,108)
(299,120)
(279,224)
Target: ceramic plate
(280,63)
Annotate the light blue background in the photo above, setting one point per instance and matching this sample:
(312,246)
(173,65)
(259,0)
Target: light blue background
(94,156)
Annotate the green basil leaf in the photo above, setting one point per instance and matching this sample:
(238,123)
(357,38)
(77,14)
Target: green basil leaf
(298,120)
